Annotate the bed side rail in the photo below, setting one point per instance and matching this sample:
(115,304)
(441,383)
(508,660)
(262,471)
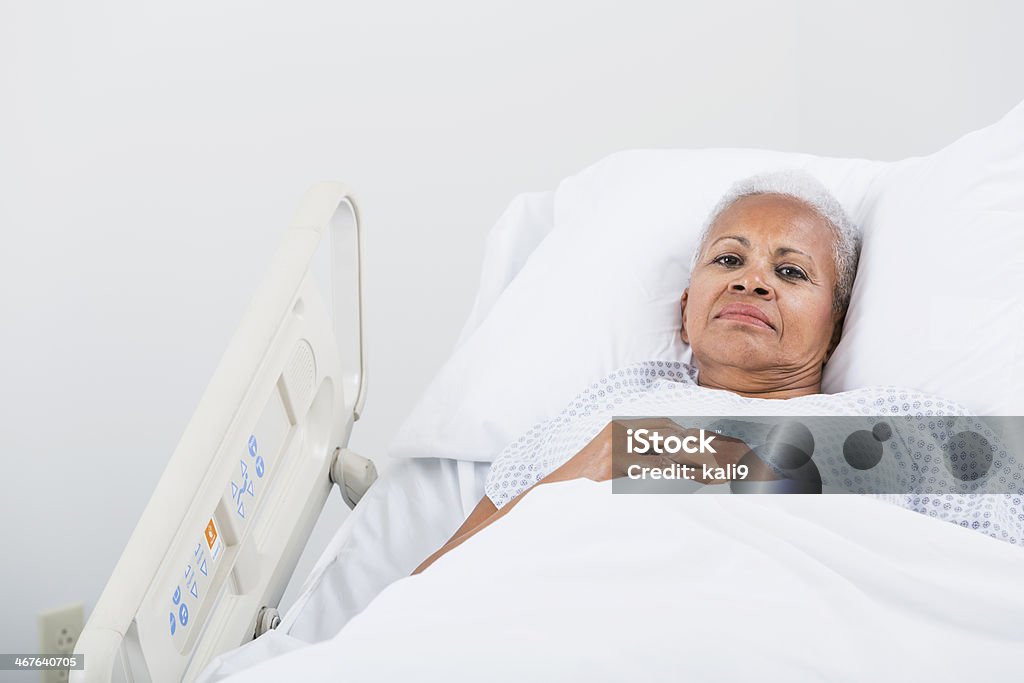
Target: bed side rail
(224,528)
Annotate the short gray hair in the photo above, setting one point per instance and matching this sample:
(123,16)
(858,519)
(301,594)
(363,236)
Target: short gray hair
(805,188)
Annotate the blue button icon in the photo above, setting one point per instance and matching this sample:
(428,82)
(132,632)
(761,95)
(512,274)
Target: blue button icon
(195,590)
(202,567)
(173,623)
(183,614)
(252,444)
(260,466)
(241,508)
(177,595)
(245,469)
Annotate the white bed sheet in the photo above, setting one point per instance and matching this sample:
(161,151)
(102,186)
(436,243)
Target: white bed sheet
(578,584)
(408,513)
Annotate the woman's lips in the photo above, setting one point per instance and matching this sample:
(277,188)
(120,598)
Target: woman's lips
(746,314)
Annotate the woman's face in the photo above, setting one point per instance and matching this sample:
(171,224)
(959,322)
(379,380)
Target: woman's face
(760,295)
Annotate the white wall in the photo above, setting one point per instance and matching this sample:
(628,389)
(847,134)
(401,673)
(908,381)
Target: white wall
(150,158)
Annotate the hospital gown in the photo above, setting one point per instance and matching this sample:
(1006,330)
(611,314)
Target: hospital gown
(911,475)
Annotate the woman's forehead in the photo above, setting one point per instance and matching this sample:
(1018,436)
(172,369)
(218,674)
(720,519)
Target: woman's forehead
(776,218)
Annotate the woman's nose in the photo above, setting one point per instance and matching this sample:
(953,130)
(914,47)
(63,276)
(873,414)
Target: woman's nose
(752,282)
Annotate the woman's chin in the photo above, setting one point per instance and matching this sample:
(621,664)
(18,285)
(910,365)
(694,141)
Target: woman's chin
(748,357)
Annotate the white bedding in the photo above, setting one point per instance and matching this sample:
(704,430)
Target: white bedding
(579,584)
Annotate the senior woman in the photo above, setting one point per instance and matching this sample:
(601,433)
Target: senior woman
(769,288)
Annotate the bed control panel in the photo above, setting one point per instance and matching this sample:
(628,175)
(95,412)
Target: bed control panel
(195,581)
(239,508)
(225,527)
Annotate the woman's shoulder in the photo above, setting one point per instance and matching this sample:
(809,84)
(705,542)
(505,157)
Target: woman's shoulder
(652,370)
(895,400)
(629,382)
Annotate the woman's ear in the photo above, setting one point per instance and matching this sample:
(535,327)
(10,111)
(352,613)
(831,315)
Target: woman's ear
(682,315)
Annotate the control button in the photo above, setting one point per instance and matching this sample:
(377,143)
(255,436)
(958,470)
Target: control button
(211,533)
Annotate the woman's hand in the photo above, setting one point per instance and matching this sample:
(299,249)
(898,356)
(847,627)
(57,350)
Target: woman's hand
(607,456)
(726,450)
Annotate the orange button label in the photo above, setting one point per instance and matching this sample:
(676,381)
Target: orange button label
(211,534)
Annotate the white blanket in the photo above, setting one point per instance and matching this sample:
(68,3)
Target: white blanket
(579,584)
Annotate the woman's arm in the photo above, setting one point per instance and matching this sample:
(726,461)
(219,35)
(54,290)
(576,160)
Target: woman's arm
(593,462)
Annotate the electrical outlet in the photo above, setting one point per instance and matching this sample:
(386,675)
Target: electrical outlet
(58,632)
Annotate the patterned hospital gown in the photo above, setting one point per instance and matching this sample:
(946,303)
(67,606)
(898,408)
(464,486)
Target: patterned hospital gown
(667,388)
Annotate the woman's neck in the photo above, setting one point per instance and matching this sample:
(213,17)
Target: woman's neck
(773,384)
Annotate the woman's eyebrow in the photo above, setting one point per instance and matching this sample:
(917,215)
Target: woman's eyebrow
(782,251)
(742,240)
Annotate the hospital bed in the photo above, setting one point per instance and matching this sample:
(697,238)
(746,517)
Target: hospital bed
(210,558)
(204,573)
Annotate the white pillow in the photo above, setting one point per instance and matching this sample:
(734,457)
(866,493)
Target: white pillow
(601,290)
(938,304)
(526,221)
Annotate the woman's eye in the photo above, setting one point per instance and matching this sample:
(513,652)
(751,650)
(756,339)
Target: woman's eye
(791,272)
(728,260)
